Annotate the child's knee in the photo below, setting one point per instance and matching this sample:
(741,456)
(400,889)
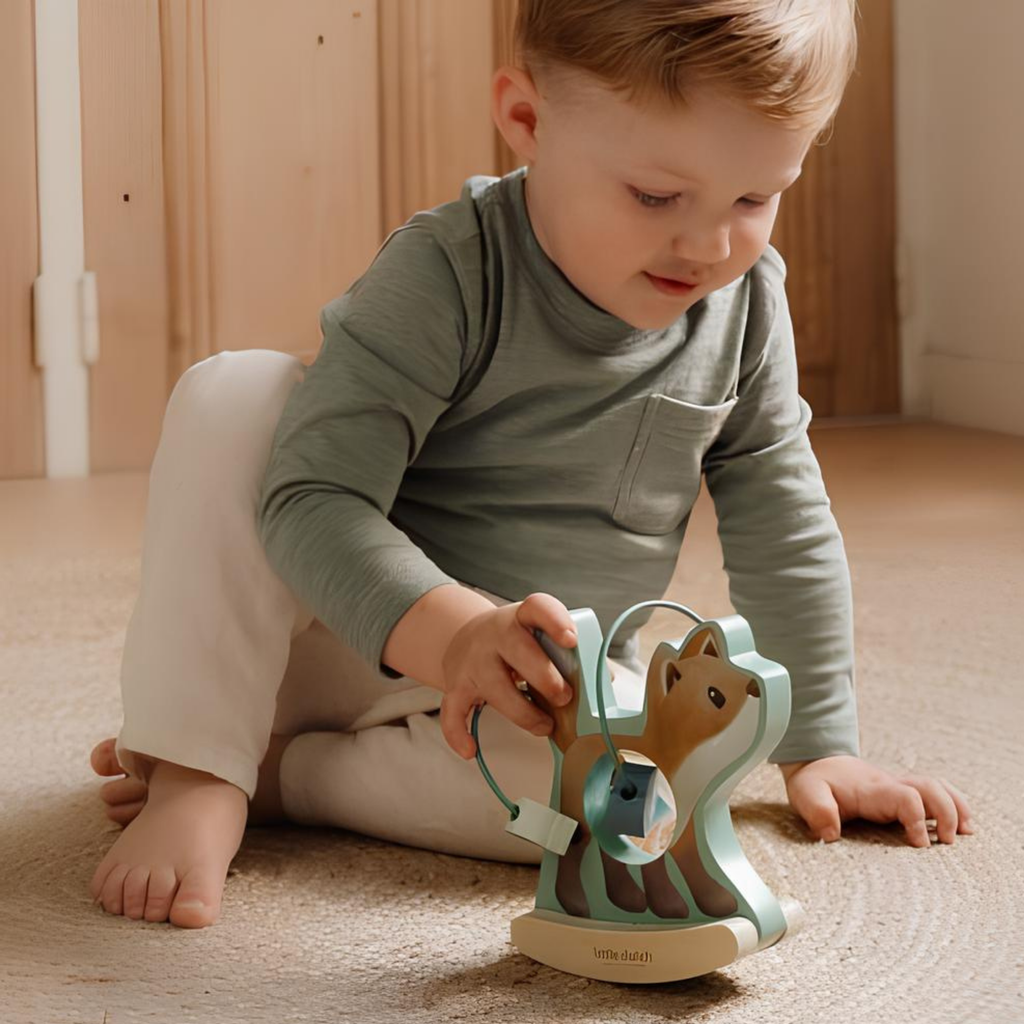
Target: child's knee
(233,395)
(237,382)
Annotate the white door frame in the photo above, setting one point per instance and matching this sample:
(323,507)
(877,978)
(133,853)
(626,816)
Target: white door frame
(64,295)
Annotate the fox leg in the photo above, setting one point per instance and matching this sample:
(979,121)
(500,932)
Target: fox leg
(663,897)
(712,898)
(568,881)
(621,888)
(569,889)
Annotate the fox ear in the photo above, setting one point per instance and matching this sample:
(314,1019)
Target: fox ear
(701,642)
(672,675)
(710,648)
(662,673)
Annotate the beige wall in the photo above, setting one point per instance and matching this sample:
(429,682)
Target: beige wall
(960,201)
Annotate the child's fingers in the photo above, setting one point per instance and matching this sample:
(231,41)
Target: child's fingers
(938,804)
(455,709)
(903,802)
(812,798)
(123,814)
(123,791)
(542,611)
(962,810)
(507,699)
(504,697)
(104,759)
(528,661)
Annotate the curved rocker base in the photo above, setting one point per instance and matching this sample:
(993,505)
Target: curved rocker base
(637,953)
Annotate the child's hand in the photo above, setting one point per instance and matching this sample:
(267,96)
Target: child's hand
(834,789)
(488,655)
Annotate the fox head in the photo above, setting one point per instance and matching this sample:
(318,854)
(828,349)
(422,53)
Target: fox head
(693,695)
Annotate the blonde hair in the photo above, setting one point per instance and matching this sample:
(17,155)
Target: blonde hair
(790,60)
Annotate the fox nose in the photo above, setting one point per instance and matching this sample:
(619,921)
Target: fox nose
(753,689)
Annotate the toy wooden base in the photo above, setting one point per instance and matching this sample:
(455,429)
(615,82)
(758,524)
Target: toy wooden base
(638,953)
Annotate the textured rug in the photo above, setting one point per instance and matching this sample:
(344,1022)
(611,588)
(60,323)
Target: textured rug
(321,925)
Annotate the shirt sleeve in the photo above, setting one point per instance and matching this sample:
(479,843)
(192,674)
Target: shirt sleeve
(389,363)
(783,552)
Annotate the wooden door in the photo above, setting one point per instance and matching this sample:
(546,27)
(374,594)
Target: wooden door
(298,136)
(837,232)
(436,61)
(125,227)
(273,157)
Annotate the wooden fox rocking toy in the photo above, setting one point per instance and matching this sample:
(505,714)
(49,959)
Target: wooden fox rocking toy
(642,878)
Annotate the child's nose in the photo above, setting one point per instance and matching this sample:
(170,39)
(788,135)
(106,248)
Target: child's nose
(703,243)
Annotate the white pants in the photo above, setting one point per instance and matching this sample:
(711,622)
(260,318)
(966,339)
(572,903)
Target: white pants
(220,653)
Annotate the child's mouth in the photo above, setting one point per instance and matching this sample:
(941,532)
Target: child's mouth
(669,287)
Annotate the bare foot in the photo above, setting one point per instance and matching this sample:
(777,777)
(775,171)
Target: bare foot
(171,860)
(126,796)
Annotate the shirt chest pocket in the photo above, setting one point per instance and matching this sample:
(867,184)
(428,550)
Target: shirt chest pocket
(661,478)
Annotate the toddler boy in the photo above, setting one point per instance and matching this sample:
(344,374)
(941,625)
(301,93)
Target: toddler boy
(509,417)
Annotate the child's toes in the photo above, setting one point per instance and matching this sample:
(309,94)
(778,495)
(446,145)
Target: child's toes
(112,893)
(104,760)
(123,791)
(197,903)
(99,877)
(163,883)
(136,883)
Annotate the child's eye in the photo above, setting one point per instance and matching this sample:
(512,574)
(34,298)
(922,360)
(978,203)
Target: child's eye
(657,202)
(652,202)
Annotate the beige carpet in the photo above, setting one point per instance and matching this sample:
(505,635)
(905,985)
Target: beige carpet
(327,926)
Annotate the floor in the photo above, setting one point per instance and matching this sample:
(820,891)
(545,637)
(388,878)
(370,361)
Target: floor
(321,925)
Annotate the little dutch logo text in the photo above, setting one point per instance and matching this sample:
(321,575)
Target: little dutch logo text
(624,955)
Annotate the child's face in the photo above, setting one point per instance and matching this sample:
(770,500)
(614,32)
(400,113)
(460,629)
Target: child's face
(712,174)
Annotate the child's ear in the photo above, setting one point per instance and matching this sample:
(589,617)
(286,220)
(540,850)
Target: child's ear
(515,103)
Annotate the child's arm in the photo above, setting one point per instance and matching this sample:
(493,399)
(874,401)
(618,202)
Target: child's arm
(389,363)
(392,357)
(783,552)
(788,576)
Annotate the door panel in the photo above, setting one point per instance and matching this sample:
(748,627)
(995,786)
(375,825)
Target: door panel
(436,60)
(292,165)
(837,232)
(125,234)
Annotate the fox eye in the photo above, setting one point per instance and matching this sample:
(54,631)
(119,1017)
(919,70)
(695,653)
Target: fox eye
(716,696)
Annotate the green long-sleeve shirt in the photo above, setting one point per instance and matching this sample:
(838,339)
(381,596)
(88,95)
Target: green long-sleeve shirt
(471,415)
